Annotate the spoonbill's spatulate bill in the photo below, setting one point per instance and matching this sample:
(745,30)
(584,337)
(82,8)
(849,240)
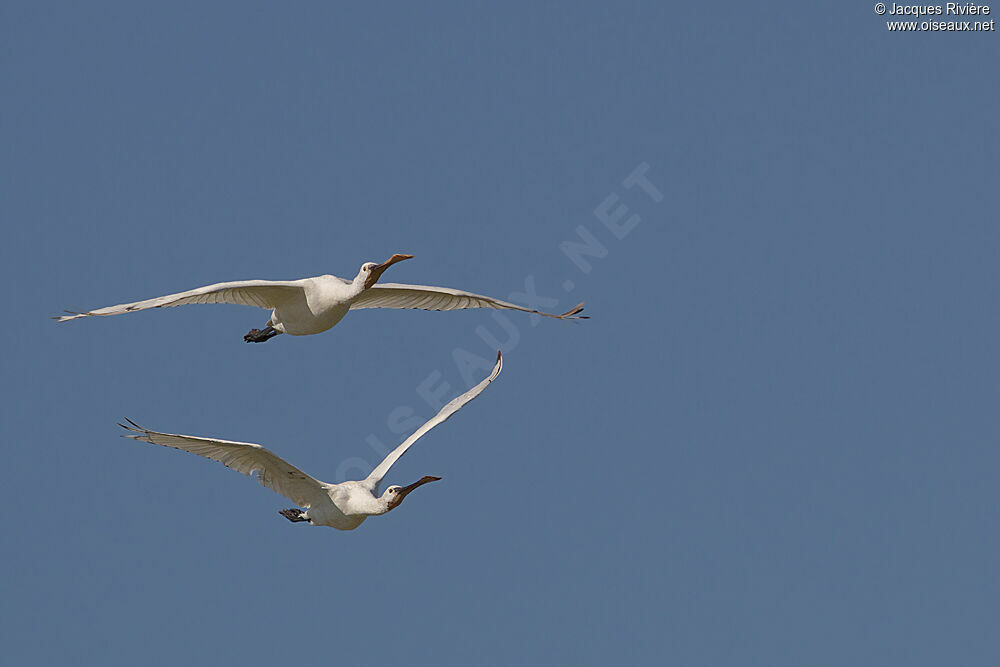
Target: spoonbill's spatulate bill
(313,305)
(343,506)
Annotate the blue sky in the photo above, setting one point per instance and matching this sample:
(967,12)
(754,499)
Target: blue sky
(775,443)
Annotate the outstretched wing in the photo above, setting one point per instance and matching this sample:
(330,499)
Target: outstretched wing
(423,297)
(272,471)
(259,293)
(447,411)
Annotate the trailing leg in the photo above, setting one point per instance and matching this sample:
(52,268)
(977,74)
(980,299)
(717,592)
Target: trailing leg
(260,335)
(293,515)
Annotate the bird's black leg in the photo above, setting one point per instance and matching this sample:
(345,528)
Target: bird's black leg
(260,335)
(293,515)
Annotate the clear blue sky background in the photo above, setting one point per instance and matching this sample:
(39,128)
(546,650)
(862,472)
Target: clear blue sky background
(776,443)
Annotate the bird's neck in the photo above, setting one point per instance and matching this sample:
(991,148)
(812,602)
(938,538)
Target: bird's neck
(372,505)
(357,287)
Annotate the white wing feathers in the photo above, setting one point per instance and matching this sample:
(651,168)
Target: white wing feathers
(447,411)
(423,297)
(272,471)
(259,293)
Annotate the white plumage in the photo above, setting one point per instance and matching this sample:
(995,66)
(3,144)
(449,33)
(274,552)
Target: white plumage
(345,505)
(313,305)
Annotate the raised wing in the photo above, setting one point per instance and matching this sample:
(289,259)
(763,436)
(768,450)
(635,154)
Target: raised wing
(272,471)
(259,293)
(423,297)
(374,479)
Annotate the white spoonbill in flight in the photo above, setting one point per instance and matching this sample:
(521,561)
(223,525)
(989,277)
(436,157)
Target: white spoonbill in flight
(343,506)
(313,305)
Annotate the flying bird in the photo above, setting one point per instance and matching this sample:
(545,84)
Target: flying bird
(343,506)
(313,305)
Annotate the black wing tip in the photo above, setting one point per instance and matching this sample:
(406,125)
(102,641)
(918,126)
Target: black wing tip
(133,427)
(571,314)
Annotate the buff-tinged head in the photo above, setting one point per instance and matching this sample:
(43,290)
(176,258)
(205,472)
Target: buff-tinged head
(370,271)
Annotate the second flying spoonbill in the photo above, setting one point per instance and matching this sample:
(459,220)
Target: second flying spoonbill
(343,506)
(313,305)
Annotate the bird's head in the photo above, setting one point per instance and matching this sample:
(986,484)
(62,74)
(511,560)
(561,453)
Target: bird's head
(394,495)
(370,271)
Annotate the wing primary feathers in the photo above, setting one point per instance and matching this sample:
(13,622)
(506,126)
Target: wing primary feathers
(569,314)
(453,406)
(250,459)
(424,297)
(135,427)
